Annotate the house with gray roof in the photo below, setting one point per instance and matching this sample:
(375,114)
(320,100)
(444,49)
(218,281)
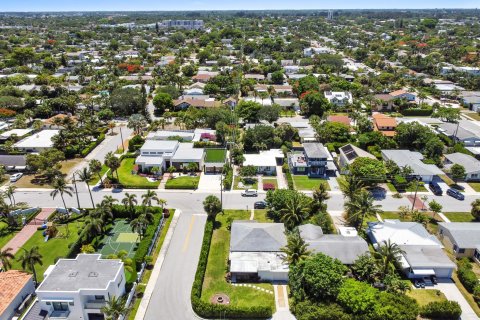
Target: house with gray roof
(79,288)
(13,162)
(463,238)
(314,161)
(346,247)
(348,153)
(403,158)
(423,253)
(471,165)
(255,251)
(464,131)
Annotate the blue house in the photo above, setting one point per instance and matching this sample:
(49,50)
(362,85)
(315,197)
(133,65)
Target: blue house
(313,161)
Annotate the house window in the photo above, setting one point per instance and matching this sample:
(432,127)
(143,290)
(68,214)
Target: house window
(99,297)
(301,169)
(455,248)
(461,250)
(60,306)
(474,175)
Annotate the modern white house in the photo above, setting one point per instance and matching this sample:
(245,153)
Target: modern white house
(265,161)
(471,165)
(15,288)
(78,288)
(37,142)
(339,98)
(186,154)
(423,253)
(404,158)
(255,251)
(156,153)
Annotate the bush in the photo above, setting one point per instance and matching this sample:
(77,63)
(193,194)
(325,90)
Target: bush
(417,112)
(268,186)
(289,179)
(444,310)
(228,181)
(135,143)
(92,145)
(208,310)
(466,275)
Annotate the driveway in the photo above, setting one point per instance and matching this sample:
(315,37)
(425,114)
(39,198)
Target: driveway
(210,182)
(451,292)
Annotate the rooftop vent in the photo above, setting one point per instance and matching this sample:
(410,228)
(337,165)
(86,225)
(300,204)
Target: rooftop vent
(73,274)
(93,274)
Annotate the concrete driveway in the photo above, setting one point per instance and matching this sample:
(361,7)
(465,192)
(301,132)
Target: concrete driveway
(451,292)
(210,182)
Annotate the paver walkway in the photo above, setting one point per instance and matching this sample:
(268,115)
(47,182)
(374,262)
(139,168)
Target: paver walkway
(27,232)
(281,181)
(281,303)
(418,202)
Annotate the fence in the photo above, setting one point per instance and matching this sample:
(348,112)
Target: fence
(152,246)
(25,211)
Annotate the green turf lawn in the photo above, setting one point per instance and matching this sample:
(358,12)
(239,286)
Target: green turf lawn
(215,155)
(270,180)
(128,179)
(5,235)
(475,186)
(215,282)
(183,182)
(52,249)
(459,216)
(237,179)
(305,183)
(425,296)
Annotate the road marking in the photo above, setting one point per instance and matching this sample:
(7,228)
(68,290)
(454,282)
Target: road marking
(187,239)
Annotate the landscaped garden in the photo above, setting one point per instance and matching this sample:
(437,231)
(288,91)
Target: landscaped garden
(183,182)
(303,182)
(215,282)
(130,180)
(425,296)
(215,155)
(267,182)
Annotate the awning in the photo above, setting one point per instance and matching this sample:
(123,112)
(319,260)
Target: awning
(423,272)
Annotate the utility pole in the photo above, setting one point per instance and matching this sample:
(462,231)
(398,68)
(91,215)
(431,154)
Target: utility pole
(76,191)
(121,137)
(415,196)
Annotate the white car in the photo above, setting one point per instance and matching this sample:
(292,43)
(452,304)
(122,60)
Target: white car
(15,177)
(249,193)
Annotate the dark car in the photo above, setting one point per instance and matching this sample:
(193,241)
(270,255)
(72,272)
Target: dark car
(435,188)
(455,194)
(260,205)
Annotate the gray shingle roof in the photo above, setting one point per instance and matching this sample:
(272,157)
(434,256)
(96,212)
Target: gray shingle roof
(468,162)
(464,234)
(315,150)
(426,257)
(412,159)
(251,236)
(13,160)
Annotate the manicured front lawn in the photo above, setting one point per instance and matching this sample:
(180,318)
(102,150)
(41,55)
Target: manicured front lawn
(425,296)
(5,235)
(475,186)
(132,180)
(410,188)
(306,183)
(459,216)
(271,181)
(432,225)
(184,182)
(238,179)
(215,282)
(52,249)
(215,155)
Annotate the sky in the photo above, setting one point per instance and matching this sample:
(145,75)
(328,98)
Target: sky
(164,5)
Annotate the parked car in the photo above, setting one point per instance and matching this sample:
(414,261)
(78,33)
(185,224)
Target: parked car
(434,279)
(418,283)
(455,194)
(435,188)
(260,205)
(249,193)
(15,177)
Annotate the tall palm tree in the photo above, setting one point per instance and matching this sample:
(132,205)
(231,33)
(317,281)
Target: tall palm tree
(162,203)
(85,175)
(148,197)
(93,225)
(9,192)
(296,249)
(351,186)
(295,211)
(60,187)
(95,167)
(359,207)
(387,255)
(139,224)
(112,162)
(320,196)
(5,257)
(114,308)
(130,201)
(29,259)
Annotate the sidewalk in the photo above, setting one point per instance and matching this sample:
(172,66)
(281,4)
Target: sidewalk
(281,303)
(281,181)
(28,231)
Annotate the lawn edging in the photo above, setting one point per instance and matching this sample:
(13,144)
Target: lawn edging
(208,310)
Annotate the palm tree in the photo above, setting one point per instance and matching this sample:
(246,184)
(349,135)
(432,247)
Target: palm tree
(60,187)
(148,197)
(93,225)
(5,257)
(296,249)
(114,308)
(387,255)
(320,195)
(359,207)
(85,175)
(295,211)
(130,201)
(95,167)
(162,203)
(139,224)
(29,259)
(475,211)
(112,162)
(9,192)
(351,186)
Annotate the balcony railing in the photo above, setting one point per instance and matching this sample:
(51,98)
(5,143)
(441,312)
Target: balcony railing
(95,304)
(59,314)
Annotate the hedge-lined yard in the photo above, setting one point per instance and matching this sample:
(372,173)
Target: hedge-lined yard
(183,182)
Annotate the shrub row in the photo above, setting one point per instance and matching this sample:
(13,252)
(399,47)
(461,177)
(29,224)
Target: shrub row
(288,174)
(228,181)
(208,310)
(417,112)
(466,275)
(443,310)
(92,145)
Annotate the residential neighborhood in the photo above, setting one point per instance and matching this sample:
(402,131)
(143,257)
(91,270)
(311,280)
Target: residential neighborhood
(222,163)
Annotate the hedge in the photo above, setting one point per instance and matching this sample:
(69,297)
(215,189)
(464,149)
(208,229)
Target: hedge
(289,179)
(417,112)
(466,275)
(92,145)
(208,310)
(444,310)
(228,181)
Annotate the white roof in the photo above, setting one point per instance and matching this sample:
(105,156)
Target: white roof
(252,262)
(149,160)
(42,139)
(263,159)
(186,152)
(17,132)
(401,233)
(160,145)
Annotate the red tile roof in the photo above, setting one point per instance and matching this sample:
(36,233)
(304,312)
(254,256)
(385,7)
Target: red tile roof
(11,284)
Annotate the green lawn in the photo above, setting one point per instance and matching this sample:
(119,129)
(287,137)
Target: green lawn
(238,179)
(272,181)
(95,177)
(184,182)
(52,249)
(473,115)
(411,188)
(5,235)
(425,296)
(432,225)
(459,216)
(215,155)
(306,183)
(215,282)
(475,186)
(130,180)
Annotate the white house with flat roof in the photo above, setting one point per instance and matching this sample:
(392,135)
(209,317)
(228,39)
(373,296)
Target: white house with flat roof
(156,153)
(37,142)
(186,154)
(15,132)
(78,288)
(265,161)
